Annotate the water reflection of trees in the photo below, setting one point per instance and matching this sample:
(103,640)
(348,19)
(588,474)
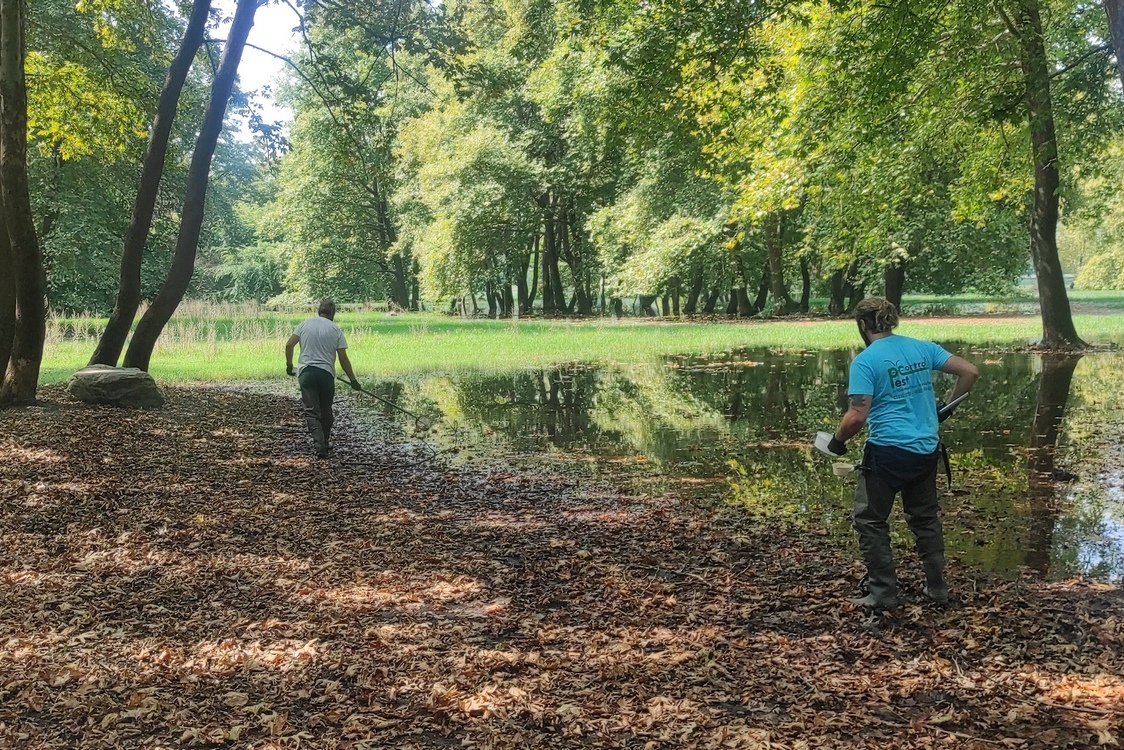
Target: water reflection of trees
(693,415)
(1043,474)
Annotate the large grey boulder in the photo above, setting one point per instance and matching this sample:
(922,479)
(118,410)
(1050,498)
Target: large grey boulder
(118,386)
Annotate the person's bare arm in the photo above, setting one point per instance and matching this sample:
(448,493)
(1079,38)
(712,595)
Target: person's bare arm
(290,346)
(345,363)
(966,376)
(854,419)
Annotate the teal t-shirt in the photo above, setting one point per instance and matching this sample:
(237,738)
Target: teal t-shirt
(897,373)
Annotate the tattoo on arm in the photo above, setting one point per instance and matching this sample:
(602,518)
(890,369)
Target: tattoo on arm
(860,402)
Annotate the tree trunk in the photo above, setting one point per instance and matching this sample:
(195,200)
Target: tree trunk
(1058,331)
(617,305)
(508,301)
(837,296)
(415,285)
(533,290)
(762,292)
(774,250)
(745,307)
(160,311)
(7,300)
(521,285)
(806,285)
(732,303)
(490,296)
(549,265)
(675,293)
(665,305)
(112,340)
(22,378)
(855,293)
(400,294)
(712,300)
(895,283)
(1115,11)
(693,295)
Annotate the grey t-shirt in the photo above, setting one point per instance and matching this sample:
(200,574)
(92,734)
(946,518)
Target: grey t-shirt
(319,340)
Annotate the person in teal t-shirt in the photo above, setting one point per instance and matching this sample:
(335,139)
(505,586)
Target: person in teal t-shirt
(891,388)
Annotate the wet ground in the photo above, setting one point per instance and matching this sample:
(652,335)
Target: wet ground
(1037,483)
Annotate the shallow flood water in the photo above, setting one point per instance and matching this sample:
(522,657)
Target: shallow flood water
(1035,453)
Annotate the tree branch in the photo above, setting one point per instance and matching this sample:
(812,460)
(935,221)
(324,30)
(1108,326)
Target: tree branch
(1080,60)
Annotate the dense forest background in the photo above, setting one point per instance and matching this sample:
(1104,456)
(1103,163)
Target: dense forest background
(572,156)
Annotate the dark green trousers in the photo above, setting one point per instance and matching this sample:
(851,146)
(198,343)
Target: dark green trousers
(318,390)
(874,499)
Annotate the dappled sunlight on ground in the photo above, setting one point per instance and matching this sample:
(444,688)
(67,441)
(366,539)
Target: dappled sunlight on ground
(29,455)
(392,591)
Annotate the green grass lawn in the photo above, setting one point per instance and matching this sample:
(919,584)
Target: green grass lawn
(221,344)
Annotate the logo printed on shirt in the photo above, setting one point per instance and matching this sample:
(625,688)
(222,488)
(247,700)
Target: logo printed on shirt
(899,375)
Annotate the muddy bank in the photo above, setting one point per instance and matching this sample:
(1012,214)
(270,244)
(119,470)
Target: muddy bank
(193,577)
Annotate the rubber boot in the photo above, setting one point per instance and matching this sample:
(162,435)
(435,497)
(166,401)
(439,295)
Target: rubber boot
(882,587)
(936,588)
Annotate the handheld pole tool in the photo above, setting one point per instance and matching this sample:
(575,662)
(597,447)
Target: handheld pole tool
(947,409)
(421,423)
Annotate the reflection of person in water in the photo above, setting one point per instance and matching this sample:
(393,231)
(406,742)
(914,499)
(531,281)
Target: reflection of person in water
(891,387)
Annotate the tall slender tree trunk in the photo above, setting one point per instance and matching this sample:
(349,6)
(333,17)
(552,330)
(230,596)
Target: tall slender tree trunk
(549,263)
(558,232)
(415,286)
(1058,331)
(7,300)
(112,340)
(22,378)
(1115,11)
(160,311)
(806,285)
(533,289)
(522,296)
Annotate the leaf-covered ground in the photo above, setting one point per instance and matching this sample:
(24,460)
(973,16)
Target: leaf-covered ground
(193,577)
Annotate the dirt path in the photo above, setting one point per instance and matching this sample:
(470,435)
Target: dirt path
(191,577)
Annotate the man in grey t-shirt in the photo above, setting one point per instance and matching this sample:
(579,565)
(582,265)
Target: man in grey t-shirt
(321,341)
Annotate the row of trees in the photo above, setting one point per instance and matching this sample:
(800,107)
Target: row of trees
(724,157)
(555,155)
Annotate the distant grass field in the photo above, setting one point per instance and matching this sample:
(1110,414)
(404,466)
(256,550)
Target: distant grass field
(224,342)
